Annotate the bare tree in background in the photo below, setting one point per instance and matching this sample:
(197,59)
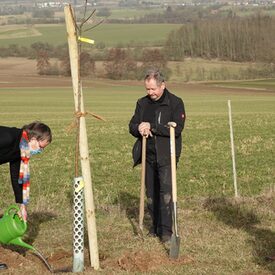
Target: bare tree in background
(43,63)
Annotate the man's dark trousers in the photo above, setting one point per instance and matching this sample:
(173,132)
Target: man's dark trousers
(159,197)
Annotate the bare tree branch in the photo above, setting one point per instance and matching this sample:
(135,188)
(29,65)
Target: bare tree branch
(100,22)
(83,20)
(88,18)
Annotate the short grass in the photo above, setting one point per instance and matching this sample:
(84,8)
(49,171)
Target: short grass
(127,13)
(109,34)
(198,69)
(221,235)
(264,84)
(15,32)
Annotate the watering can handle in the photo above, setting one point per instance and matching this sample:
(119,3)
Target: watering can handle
(12,207)
(15,207)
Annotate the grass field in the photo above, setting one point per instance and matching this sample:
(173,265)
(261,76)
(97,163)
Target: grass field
(132,13)
(109,34)
(199,69)
(266,84)
(219,235)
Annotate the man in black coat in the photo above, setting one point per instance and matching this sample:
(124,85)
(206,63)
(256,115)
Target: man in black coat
(31,139)
(152,114)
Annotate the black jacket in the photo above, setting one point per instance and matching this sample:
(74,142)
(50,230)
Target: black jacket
(10,152)
(171,109)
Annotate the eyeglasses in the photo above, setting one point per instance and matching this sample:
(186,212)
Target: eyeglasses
(42,144)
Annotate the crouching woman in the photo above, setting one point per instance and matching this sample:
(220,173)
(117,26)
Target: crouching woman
(17,146)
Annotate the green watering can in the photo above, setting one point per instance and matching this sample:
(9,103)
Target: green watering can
(12,228)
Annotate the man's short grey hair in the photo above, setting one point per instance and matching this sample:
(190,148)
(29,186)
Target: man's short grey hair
(154,74)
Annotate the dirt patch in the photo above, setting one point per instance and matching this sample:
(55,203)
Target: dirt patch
(11,66)
(61,262)
(21,262)
(144,261)
(18,262)
(22,72)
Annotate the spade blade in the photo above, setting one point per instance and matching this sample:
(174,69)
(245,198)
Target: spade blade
(175,247)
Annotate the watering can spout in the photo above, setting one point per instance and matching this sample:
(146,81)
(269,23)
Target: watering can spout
(18,241)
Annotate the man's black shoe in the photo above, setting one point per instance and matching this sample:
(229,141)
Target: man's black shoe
(3,266)
(165,239)
(152,232)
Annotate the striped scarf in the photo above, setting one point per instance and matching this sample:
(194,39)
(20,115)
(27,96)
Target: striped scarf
(24,174)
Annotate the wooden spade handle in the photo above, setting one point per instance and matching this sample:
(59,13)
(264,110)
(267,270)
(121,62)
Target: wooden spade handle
(172,126)
(142,183)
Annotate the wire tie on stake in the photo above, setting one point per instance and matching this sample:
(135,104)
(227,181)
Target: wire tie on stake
(81,114)
(86,40)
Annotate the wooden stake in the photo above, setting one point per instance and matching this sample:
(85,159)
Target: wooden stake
(232,149)
(83,141)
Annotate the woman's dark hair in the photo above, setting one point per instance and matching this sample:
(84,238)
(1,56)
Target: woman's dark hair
(38,130)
